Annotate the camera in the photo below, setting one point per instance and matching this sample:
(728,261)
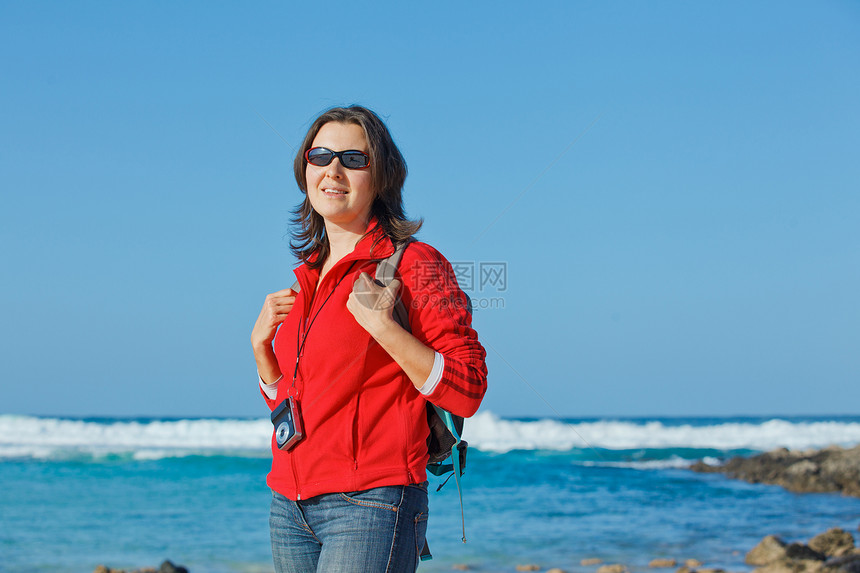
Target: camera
(288,424)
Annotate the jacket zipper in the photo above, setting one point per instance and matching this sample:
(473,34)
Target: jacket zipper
(355,432)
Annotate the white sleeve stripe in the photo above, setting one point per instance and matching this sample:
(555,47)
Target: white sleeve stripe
(435,375)
(270,390)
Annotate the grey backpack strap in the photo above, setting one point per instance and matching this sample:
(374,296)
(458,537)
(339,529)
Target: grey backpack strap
(386,270)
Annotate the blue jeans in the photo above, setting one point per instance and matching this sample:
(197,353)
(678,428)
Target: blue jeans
(376,530)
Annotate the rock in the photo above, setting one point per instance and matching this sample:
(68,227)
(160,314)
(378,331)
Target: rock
(555,570)
(802,552)
(683,569)
(844,564)
(768,550)
(827,470)
(659,563)
(693,563)
(528,567)
(710,571)
(460,567)
(591,561)
(168,567)
(101,569)
(786,565)
(834,542)
(614,568)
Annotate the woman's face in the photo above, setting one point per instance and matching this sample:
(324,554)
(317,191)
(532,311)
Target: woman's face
(342,196)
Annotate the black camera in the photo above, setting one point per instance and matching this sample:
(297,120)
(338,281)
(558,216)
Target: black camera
(288,424)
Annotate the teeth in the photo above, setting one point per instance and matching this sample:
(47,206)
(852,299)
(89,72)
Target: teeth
(334,191)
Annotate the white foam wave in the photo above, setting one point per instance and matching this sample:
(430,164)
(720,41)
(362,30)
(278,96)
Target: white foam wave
(488,432)
(674,462)
(50,438)
(45,438)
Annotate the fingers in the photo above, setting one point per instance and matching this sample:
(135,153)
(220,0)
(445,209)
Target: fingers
(363,283)
(277,306)
(280,298)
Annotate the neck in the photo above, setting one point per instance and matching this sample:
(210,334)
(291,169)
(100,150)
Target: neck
(342,240)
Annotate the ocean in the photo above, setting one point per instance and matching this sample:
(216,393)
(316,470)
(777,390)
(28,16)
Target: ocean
(129,493)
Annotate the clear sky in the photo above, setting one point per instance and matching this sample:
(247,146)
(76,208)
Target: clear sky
(664,196)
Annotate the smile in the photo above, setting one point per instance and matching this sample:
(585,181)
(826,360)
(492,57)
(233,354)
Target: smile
(333,192)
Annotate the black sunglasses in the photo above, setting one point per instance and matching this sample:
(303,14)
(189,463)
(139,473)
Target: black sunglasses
(351,159)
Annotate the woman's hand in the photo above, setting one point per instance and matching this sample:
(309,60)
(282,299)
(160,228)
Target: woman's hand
(275,310)
(372,305)
(373,308)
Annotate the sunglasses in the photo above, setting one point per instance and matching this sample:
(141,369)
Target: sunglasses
(351,159)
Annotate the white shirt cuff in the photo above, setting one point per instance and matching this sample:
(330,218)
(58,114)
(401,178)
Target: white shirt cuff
(270,390)
(435,375)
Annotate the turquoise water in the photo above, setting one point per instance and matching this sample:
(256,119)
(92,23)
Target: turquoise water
(76,493)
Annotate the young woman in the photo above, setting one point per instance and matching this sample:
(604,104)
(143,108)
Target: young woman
(351,494)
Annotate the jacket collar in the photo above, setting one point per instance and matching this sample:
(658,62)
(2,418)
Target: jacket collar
(375,245)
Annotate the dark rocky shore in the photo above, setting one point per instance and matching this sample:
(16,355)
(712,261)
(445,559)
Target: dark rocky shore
(832,469)
(830,552)
(166,567)
(833,551)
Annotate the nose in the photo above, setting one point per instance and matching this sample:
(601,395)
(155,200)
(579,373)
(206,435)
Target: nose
(335,168)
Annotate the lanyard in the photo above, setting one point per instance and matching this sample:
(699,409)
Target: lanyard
(300,340)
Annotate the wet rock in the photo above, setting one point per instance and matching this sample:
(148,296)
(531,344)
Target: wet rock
(827,470)
(834,542)
(802,552)
(101,569)
(613,568)
(768,550)
(786,565)
(528,567)
(555,570)
(591,561)
(845,564)
(710,571)
(660,563)
(169,567)
(693,563)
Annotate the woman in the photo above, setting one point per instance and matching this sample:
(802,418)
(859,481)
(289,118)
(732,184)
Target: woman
(351,494)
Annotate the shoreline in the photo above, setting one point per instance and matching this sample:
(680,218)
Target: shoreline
(829,470)
(832,551)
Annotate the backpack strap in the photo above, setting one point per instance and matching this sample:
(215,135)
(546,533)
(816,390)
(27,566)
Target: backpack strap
(386,270)
(458,451)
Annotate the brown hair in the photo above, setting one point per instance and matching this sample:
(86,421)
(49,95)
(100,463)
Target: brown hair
(388,173)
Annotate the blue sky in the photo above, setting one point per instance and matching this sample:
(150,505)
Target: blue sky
(672,188)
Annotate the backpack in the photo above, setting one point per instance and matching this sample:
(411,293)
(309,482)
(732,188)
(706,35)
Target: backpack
(445,428)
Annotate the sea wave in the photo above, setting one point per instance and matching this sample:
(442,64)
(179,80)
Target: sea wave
(488,432)
(51,438)
(61,438)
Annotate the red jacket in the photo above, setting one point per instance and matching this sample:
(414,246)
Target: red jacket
(365,423)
